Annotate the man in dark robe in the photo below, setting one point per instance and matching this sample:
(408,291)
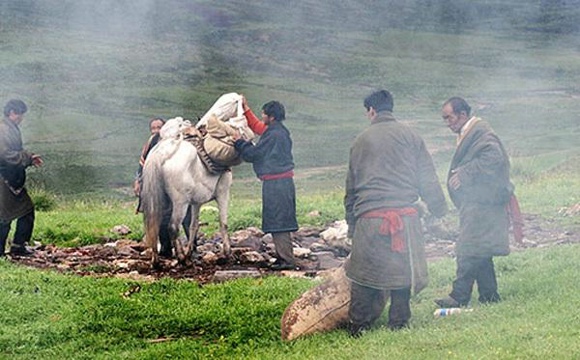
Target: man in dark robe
(389,171)
(273,163)
(15,203)
(479,186)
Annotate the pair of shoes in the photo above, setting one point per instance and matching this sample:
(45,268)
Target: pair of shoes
(20,251)
(447,302)
(277,266)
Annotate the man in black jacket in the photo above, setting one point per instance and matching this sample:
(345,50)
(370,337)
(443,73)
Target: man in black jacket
(273,164)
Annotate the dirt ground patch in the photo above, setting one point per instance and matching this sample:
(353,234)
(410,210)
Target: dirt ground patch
(131,260)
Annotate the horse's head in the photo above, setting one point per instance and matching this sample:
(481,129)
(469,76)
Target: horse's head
(174,128)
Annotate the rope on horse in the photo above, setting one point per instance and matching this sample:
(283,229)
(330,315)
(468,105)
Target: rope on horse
(210,164)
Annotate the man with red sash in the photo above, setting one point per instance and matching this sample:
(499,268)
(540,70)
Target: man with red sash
(479,186)
(274,165)
(389,171)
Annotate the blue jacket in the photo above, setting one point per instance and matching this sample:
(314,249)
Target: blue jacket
(273,152)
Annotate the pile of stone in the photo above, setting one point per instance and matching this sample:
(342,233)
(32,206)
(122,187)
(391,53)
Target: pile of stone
(314,248)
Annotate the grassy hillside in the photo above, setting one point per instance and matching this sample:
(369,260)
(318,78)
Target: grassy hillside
(93,74)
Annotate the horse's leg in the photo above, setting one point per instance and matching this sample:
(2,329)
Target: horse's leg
(193,229)
(177,215)
(222,199)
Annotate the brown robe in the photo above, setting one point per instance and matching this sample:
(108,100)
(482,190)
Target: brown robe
(389,167)
(14,199)
(483,167)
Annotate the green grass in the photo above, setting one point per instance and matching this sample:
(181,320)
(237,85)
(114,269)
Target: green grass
(50,315)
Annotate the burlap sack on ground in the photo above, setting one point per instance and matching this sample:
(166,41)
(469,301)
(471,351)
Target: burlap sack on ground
(320,309)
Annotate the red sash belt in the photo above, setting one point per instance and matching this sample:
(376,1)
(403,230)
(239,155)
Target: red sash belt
(392,224)
(284,175)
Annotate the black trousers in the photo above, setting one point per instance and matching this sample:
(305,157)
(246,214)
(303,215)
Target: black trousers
(470,270)
(23,233)
(367,305)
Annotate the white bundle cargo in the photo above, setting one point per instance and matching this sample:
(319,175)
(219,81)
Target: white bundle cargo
(228,108)
(220,122)
(320,309)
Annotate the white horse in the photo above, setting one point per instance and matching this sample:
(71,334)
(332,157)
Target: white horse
(174,171)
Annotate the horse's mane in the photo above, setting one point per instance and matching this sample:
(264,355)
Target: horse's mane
(174,128)
(171,135)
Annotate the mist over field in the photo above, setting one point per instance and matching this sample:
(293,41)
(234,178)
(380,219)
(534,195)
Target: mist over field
(94,72)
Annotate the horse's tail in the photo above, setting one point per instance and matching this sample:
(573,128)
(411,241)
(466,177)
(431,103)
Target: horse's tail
(152,196)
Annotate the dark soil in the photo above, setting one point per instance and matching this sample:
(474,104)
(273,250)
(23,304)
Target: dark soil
(129,259)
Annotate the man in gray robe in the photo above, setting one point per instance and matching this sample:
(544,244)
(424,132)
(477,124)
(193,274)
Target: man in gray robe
(479,186)
(389,171)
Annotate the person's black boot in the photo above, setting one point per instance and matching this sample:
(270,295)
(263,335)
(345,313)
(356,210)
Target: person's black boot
(20,250)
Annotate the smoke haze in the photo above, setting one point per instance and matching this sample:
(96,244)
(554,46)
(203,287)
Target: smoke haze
(94,72)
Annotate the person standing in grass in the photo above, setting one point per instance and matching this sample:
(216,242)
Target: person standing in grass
(479,185)
(273,164)
(155,125)
(389,171)
(15,203)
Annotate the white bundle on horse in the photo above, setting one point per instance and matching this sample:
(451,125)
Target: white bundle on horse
(221,120)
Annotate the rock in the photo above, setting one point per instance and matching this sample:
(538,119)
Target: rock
(127,251)
(121,229)
(318,247)
(300,252)
(336,236)
(307,241)
(252,257)
(210,257)
(253,242)
(327,260)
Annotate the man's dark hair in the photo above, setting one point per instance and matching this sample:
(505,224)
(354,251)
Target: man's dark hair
(156,119)
(381,100)
(274,109)
(16,105)
(458,105)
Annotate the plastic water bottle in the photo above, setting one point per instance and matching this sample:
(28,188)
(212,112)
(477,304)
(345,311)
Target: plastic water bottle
(449,311)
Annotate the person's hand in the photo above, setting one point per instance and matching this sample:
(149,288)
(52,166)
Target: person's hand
(454,181)
(37,160)
(245,105)
(136,187)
